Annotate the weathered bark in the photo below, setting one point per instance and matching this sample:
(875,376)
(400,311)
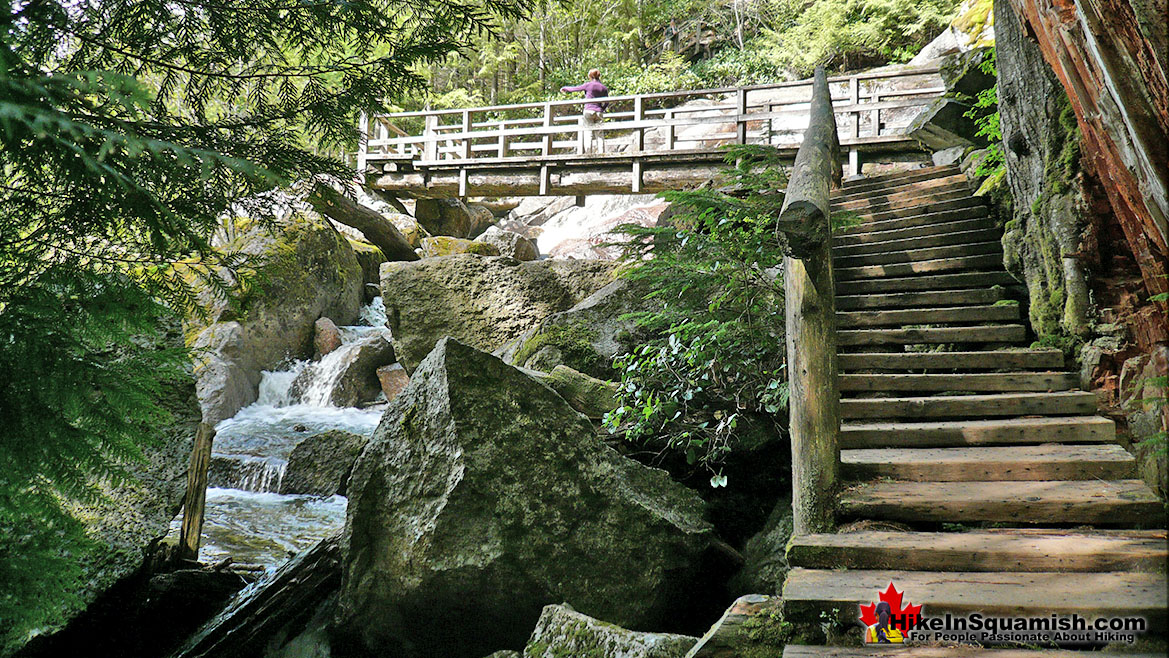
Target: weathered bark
(196,497)
(811,319)
(287,601)
(380,231)
(392,200)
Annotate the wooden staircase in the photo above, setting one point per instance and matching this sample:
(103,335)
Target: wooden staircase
(1014,495)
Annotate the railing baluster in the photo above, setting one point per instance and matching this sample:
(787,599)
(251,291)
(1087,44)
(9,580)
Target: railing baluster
(362,145)
(546,150)
(741,123)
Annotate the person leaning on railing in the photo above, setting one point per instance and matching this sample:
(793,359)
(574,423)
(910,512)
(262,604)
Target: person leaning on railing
(594,113)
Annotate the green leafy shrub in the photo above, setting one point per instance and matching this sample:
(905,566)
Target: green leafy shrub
(719,351)
(985,114)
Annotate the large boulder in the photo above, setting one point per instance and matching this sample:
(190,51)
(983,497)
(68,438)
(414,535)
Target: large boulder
(512,245)
(591,396)
(482,218)
(563,631)
(449,217)
(587,336)
(484,302)
(410,229)
(320,465)
(482,497)
(347,376)
(305,270)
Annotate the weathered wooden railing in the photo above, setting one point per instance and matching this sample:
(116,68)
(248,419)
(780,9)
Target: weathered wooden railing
(810,301)
(872,110)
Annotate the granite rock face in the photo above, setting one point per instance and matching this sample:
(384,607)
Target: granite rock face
(320,465)
(484,302)
(483,497)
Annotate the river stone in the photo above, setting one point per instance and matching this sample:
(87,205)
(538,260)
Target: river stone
(482,218)
(393,379)
(441,245)
(358,363)
(512,245)
(306,269)
(587,336)
(484,302)
(482,497)
(320,465)
(328,337)
(369,257)
(562,631)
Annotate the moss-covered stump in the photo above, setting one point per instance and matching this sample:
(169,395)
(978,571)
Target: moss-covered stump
(587,336)
(483,497)
(303,270)
(441,245)
(563,631)
(591,396)
(484,302)
(753,627)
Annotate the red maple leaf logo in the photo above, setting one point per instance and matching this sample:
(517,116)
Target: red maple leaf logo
(893,598)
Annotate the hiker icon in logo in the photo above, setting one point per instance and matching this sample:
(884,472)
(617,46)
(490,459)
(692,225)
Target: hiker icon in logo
(885,621)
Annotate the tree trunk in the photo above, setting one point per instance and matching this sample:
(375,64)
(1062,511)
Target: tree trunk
(380,231)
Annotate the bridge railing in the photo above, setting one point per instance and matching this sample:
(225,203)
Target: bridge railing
(870,108)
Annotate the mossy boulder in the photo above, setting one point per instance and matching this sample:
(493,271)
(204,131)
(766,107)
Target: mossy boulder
(448,217)
(512,245)
(369,257)
(304,269)
(484,302)
(591,396)
(753,627)
(562,631)
(587,336)
(441,245)
(483,497)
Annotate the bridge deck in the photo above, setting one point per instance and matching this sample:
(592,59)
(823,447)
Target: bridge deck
(653,142)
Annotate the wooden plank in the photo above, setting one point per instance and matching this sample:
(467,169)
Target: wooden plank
(972,296)
(954,406)
(940,315)
(984,550)
(884,180)
(982,381)
(999,431)
(926,283)
(1104,502)
(1006,333)
(949,234)
(924,208)
(1042,462)
(985,261)
(902,188)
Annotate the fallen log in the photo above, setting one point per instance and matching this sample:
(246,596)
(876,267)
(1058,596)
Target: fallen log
(380,231)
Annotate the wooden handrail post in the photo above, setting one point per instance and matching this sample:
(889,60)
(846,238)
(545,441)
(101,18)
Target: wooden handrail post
(196,497)
(811,317)
(430,138)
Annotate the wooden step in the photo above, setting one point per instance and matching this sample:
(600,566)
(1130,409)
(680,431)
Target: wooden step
(1005,333)
(966,232)
(964,381)
(1035,359)
(981,464)
(998,431)
(925,208)
(901,651)
(1102,502)
(996,277)
(921,299)
(858,242)
(1017,549)
(1067,403)
(987,261)
(810,593)
(919,255)
(908,226)
(942,315)
(869,203)
(885,180)
(902,188)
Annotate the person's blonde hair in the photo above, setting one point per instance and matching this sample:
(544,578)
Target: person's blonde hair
(594,74)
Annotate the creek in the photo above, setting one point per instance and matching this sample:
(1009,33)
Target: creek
(246,517)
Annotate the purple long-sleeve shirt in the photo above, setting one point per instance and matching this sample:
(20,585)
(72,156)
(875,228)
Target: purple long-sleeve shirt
(592,89)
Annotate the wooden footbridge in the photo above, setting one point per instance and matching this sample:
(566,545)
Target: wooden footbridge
(654,142)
